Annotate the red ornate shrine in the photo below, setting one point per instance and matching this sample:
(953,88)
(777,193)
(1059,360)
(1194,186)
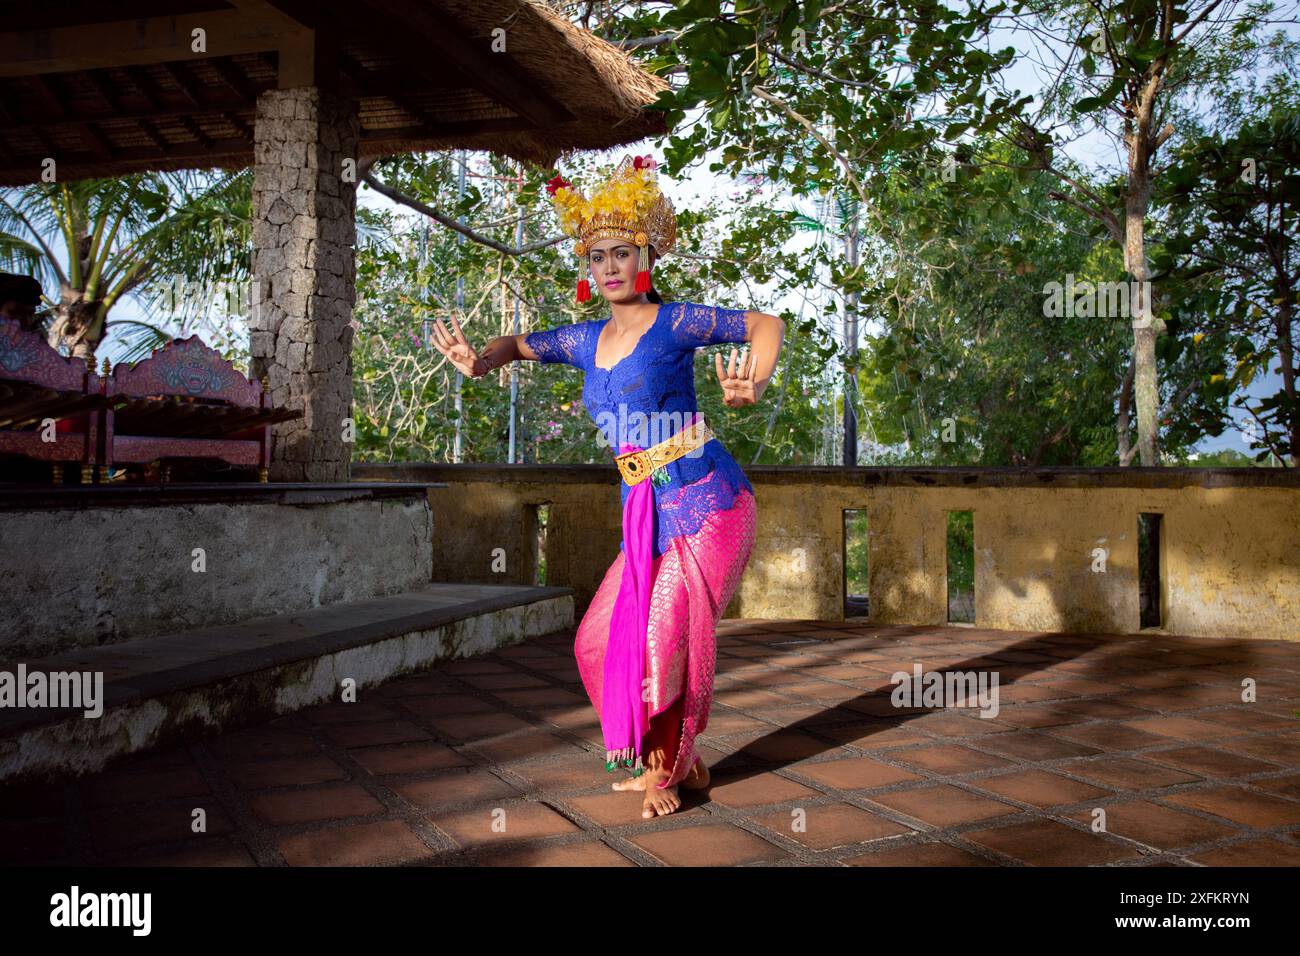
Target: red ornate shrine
(184,403)
(37,385)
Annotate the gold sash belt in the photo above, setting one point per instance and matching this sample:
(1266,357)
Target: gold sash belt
(637,466)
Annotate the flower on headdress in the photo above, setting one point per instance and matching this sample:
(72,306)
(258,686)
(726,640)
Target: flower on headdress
(622,200)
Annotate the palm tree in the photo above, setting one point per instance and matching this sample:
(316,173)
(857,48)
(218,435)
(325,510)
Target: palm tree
(99,240)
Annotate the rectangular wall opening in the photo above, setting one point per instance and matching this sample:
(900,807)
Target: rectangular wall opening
(1150,590)
(856,556)
(536,520)
(961,567)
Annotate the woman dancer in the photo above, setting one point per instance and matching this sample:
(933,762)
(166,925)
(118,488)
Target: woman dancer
(645,647)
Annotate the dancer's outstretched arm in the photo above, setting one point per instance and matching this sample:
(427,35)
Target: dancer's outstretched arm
(472,362)
(747,375)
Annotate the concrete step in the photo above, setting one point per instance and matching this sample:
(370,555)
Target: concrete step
(171,688)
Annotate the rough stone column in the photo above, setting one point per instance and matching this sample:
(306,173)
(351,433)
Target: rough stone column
(304,267)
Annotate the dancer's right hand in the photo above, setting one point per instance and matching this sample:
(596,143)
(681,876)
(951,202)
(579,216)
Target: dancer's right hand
(458,350)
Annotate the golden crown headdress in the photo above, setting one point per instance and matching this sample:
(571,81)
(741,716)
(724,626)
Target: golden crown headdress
(627,204)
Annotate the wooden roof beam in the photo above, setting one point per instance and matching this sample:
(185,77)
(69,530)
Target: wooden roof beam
(152,94)
(179,73)
(240,126)
(190,88)
(368,84)
(49,101)
(438,130)
(193,128)
(147,87)
(308,55)
(104,90)
(53,104)
(236,150)
(173,114)
(198,100)
(233,78)
(143,41)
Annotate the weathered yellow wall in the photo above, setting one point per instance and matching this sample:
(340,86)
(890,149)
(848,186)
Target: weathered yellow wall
(1230,549)
(473,519)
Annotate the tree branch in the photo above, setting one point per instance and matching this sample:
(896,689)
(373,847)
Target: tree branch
(452,224)
(49,254)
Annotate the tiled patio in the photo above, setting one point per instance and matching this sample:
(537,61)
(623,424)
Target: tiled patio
(495,760)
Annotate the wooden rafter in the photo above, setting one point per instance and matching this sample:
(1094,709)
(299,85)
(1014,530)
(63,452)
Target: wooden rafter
(185,82)
(198,100)
(43,86)
(157,39)
(233,78)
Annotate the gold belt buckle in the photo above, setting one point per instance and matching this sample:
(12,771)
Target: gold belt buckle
(636,466)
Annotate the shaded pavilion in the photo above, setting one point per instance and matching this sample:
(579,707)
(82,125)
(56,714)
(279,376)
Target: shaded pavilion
(308,94)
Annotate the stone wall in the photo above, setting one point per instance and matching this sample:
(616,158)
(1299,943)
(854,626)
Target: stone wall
(304,271)
(1230,541)
(105,565)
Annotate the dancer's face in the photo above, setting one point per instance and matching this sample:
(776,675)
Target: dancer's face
(613,269)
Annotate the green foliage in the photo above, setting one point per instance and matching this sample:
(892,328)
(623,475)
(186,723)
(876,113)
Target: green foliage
(1231,255)
(405,392)
(856,552)
(92,242)
(960,546)
(881,127)
(863,105)
(967,368)
(1223,458)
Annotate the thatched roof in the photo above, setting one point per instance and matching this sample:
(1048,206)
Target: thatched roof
(600,85)
(111,89)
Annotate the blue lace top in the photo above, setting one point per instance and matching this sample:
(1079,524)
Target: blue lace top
(650,395)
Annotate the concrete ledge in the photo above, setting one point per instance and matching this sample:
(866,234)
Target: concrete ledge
(21,497)
(167,689)
(105,565)
(839,476)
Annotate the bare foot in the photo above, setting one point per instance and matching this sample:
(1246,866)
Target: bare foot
(658,802)
(698,778)
(631,783)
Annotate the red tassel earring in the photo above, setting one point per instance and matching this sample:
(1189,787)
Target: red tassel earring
(584,286)
(643,269)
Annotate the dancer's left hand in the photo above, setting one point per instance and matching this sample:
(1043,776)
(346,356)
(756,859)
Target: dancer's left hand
(737,380)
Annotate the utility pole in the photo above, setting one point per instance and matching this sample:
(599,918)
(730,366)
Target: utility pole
(460,309)
(851,239)
(514,366)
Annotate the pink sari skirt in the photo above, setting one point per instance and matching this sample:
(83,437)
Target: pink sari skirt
(693,582)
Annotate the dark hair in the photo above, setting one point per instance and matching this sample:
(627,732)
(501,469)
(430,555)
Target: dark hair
(19,288)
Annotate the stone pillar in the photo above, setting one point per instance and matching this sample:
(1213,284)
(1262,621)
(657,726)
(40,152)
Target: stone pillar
(304,271)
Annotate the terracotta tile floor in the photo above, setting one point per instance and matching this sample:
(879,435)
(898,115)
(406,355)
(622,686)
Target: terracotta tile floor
(1123,751)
